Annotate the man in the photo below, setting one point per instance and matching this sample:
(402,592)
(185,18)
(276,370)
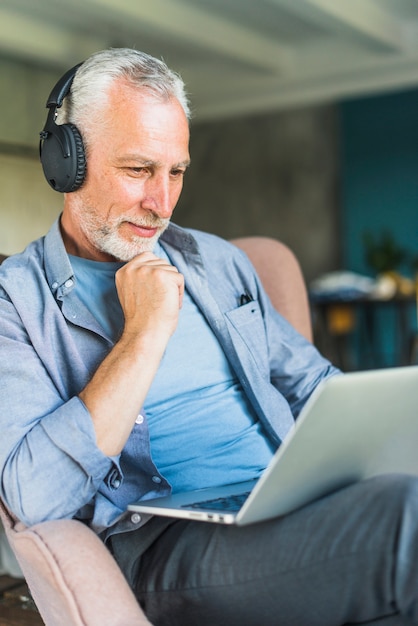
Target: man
(123,375)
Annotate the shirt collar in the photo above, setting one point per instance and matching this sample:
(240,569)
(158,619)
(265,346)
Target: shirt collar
(58,270)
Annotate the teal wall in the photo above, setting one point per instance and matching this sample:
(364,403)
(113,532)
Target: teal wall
(379,141)
(379,192)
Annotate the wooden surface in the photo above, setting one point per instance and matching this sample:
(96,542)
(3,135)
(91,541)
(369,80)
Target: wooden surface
(16,605)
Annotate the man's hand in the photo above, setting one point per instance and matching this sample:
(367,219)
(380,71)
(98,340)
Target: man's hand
(150,291)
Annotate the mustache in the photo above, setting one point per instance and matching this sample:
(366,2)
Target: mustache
(149,221)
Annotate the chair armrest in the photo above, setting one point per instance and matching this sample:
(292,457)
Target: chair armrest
(72,576)
(282,278)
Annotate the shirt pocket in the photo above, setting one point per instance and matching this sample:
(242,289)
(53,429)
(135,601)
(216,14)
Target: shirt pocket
(247,330)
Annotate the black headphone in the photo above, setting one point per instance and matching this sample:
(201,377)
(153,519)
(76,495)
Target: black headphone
(61,147)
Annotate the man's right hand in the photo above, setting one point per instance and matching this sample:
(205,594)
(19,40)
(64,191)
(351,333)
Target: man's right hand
(150,291)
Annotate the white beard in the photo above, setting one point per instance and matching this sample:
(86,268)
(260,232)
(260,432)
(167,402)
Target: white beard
(105,236)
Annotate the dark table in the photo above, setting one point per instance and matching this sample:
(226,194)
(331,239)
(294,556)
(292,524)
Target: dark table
(353,333)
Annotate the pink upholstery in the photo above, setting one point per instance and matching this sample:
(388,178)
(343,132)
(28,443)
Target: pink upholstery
(73,578)
(282,278)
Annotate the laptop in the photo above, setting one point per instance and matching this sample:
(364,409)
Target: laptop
(352,427)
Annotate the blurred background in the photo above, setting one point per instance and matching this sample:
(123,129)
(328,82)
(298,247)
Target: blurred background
(305,128)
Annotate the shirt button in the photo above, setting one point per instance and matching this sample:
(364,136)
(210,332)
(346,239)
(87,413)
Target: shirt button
(116,483)
(135,518)
(54,285)
(69,283)
(139,419)
(156,479)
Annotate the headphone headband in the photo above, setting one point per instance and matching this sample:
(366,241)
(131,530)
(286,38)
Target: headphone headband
(62,88)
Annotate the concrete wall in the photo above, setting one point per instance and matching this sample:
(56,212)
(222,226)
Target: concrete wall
(274,175)
(27,204)
(24,91)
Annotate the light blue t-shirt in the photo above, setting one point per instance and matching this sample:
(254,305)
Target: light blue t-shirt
(95,286)
(203,430)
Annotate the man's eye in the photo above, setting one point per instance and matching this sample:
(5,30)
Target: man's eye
(137,171)
(177,173)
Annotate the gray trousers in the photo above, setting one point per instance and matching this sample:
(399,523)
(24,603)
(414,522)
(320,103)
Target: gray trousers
(349,558)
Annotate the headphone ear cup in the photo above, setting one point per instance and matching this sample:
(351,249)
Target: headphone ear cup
(64,172)
(80,157)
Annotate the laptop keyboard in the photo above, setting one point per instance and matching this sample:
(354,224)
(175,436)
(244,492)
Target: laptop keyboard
(227,503)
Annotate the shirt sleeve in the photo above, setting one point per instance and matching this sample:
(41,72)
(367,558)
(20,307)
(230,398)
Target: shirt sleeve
(50,463)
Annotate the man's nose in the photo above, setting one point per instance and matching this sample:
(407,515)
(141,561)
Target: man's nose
(158,196)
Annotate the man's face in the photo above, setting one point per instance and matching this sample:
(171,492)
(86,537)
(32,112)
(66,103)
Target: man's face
(137,157)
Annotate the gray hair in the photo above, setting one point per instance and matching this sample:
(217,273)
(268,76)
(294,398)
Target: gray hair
(95,76)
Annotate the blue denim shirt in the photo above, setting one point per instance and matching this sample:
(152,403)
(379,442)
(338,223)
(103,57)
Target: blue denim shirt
(51,345)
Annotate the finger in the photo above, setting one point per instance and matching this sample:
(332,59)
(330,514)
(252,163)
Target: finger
(181,291)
